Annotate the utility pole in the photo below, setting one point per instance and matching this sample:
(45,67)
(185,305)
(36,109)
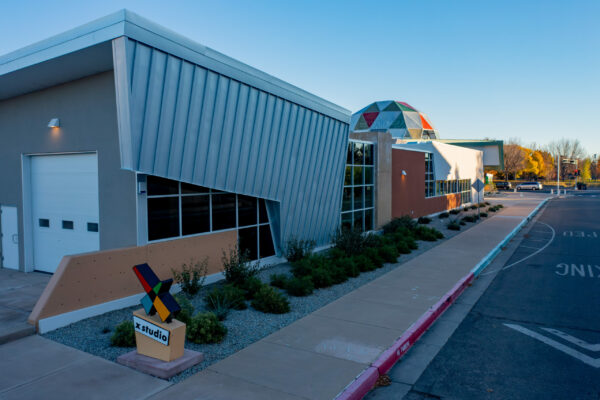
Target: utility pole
(558,175)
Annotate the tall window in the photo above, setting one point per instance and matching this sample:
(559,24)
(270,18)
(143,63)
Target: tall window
(177,209)
(429,179)
(358,201)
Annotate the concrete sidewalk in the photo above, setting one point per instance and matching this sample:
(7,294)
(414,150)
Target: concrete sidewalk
(19,292)
(319,355)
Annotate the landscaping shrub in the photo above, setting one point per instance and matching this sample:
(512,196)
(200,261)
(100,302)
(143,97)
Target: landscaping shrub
(492,209)
(187,309)
(296,249)
(124,335)
(334,253)
(337,272)
(428,234)
(350,241)
(483,214)
(221,300)
(486,203)
(363,263)
(279,280)
(412,243)
(300,287)
(481,205)
(374,256)
(268,300)
(424,220)
(191,277)
(349,266)
(251,285)
(237,267)
(398,223)
(303,267)
(321,277)
(403,247)
(443,215)
(473,207)
(389,253)
(454,212)
(499,206)
(468,218)
(206,328)
(453,226)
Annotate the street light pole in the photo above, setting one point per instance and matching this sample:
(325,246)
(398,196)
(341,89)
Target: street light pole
(558,175)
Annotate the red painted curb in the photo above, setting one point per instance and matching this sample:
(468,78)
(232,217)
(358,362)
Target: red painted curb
(361,385)
(365,381)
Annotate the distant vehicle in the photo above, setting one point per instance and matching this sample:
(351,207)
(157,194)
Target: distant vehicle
(581,186)
(503,185)
(529,186)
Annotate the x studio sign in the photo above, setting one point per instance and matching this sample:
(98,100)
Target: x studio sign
(593,362)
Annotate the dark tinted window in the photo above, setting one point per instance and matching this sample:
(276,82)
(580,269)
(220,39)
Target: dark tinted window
(263,216)
(67,224)
(44,222)
(358,175)
(358,153)
(223,211)
(249,242)
(348,176)
(163,217)
(92,227)
(368,220)
(368,196)
(247,210)
(358,220)
(347,220)
(347,199)
(369,154)
(186,188)
(368,171)
(266,242)
(157,186)
(350,152)
(195,214)
(358,197)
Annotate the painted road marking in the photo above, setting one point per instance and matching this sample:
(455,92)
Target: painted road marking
(527,247)
(580,234)
(580,270)
(593,362)
(574,340)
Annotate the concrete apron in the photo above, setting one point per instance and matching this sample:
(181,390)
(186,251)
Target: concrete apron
(340,346)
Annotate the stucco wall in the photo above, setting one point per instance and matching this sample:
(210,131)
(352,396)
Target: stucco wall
(94,278)
(87,112)
(408,191)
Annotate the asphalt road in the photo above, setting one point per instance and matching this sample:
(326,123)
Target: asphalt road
(535,332)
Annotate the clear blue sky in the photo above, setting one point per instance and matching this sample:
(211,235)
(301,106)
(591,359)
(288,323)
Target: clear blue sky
(527,69)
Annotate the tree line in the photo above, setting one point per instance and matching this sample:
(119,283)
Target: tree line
(535,162)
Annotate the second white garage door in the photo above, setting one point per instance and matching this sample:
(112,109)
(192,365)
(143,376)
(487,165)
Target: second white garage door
(64,205)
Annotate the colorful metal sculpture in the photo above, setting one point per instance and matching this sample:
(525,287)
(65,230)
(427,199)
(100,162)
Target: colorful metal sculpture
(157,298)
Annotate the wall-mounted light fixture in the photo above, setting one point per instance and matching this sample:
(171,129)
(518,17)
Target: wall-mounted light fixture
(54,123)
(403,173)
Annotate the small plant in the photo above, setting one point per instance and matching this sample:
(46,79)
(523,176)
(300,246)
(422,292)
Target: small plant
(237,267)
(403,246)
(453,225)
(412,243)
(492,209)
(221,300)
(300,287)
(191,277)
(389,253)
(398,223)
(268,300)
(483,214)
(206,328)
(474,207)
(124,335)
(349,266)
(296,249)
(428,234)
(455,212)
(443,215)
(105,330)
(468,218)
(486,203)
(499,206)
(374,256)
(321,277)
(251,286)
(481,205)
(424,220)
(350,241)
(363,263)
(279,280)
(187,309)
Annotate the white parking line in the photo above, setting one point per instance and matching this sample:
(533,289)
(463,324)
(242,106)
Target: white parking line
(527,247)
(574,340)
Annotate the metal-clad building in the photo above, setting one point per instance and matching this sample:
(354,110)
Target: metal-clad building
(139,103)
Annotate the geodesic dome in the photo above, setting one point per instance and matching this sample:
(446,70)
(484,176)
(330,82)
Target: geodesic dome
(400,119)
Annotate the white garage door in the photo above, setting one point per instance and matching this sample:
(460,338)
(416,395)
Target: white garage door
(64,204)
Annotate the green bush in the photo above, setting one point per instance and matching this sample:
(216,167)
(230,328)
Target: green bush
(334,253)
(483,214)
(403,247)
(300,287)
(279,280)
(337,272)
(486,203)
(453,226)
(481,205)
(268,300)
(124,335)
(424,220)
(389,253)
(468,218)
(428,234)
(206,328)
(321,277)
(499,206)
(443,215)
(349,266)
(251,285)
(221,300)
(237,267)
(396,224)
(191,277)
(350,241)
(454,212)
(412,243)
(492,209)
(187,309)
(473,207)
(364,263)
(296,249)
(374,256)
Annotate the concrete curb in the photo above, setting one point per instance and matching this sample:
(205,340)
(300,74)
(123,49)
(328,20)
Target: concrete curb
(365,381)
(492,254)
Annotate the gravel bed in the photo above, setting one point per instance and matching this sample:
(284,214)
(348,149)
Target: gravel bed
(244,327)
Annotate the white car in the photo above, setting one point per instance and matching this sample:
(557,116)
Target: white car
(529,186)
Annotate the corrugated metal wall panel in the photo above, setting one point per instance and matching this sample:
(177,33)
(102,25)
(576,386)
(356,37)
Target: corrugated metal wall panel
(196,125)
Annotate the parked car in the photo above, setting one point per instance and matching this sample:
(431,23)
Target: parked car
(581,186)
(529,186)
(503,185)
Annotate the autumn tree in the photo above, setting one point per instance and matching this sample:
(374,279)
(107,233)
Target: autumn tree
(586,170)
(514,158)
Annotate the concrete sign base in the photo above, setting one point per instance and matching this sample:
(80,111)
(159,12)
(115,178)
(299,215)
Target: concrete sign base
(158,368)
(154,338)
